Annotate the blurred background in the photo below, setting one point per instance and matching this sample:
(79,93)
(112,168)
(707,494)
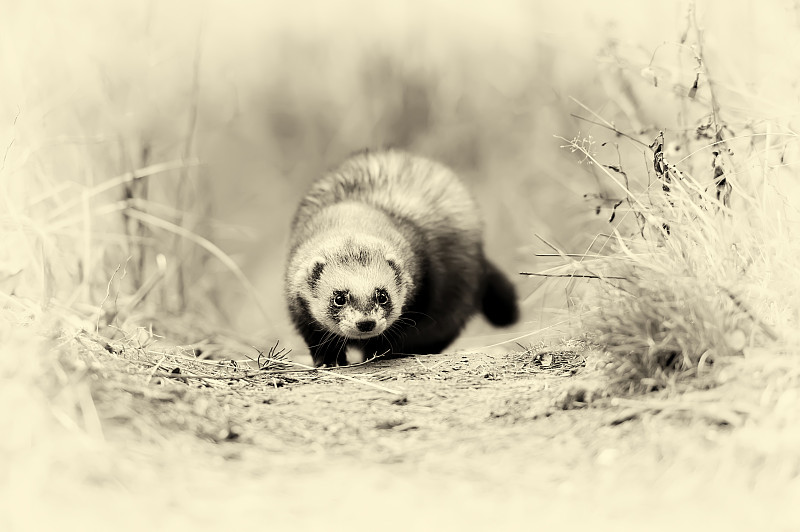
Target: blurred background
(190,130)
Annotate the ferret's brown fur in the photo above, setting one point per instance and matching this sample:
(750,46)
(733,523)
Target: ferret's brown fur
(386,253)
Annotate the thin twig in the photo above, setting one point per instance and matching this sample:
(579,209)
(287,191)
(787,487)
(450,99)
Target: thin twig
(253,374)
(11,143)
(568,259)
(329,372)
(571,275)
(571,255)
(155,369)
(610,127)
(326,372)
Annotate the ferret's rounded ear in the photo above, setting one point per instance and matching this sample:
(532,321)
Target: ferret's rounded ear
(401,278)
(392,259)
(316,271)
(311,272)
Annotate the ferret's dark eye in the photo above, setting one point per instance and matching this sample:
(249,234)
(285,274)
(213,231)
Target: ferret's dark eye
(381,297)
(339,299)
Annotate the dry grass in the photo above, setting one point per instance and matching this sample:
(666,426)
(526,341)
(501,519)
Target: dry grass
(117,284)
(694,271)
(677,294)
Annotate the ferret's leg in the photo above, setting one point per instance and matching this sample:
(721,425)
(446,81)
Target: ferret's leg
(326,348)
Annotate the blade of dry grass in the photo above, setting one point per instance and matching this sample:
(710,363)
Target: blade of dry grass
(211,248)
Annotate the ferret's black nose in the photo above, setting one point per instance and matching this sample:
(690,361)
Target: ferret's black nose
(365,325)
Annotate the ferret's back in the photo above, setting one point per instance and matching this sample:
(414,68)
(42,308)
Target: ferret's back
(409,188)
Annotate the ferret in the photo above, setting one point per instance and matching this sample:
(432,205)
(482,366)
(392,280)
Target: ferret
(386,254)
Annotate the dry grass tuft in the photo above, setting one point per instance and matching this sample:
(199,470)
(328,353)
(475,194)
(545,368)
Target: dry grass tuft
(662,328)
(678,292)
(697,268)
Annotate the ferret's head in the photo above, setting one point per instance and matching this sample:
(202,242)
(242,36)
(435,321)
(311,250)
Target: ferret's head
(358,293)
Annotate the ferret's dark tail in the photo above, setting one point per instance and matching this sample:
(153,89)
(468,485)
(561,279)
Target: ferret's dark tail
(499,303)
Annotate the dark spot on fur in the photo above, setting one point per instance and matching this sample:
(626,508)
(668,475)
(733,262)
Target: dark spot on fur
(316,273)
(364,305)
(356,256)
(398,273)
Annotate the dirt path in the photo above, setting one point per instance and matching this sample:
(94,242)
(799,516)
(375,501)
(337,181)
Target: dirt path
(447,442)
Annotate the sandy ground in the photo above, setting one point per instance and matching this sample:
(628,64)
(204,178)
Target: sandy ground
(518,441)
